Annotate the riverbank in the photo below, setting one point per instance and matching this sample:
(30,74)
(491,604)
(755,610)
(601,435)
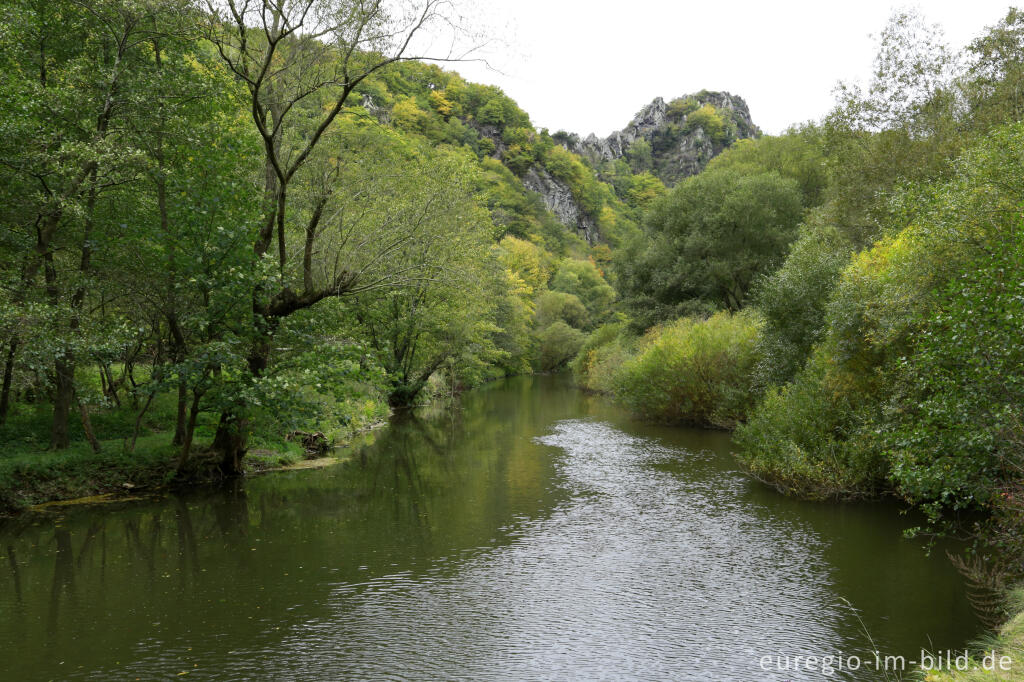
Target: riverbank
(29,479)
(555,505)
(1008,642)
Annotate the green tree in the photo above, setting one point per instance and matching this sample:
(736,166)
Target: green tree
(798,154)
(583,279)
(299,79)
(793,299)
(557,345)
(444,317)
(707,241)
(995,74)
(75,76)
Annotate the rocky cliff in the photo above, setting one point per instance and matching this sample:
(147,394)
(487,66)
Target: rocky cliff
(673,140)
(559,200)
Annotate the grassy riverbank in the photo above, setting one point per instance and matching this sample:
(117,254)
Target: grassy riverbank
(30,474)
(1008,641)
(32,478)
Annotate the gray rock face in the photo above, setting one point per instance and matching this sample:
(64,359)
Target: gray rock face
(678,150)
(382,114)
(559,200)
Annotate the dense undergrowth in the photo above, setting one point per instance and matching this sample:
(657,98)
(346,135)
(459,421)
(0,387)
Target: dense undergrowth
(162,267)
(878,345)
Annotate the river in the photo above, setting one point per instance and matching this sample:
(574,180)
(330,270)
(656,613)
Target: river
(534,533)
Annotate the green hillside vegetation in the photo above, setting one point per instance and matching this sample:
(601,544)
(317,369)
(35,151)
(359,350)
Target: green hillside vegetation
(229,244)
(265,251)
(850,296)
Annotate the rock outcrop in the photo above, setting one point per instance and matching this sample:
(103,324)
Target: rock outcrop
(382,114)
(673,140)
(681,143)
(559,200)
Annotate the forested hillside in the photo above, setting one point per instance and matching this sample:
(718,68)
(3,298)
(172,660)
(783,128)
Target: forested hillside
(848,296)
(221,230)
(237,234)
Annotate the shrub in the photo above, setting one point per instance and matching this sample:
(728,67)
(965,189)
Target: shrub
(584,279)
(558,344)
(955,435)
(708,119)
(681,106)
(793,300)
(602,355)
(553,306)
(694,371)
(917,376)
(798,439)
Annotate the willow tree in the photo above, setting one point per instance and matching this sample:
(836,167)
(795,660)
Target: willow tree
(301,61)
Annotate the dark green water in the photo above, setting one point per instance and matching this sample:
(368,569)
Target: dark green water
(534,534)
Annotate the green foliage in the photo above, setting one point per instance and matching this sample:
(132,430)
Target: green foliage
(443,317)
(640,156)
(601,357)
(681,107)
(557,345)
(903,128)
(915,375)
(797,154)
(798,439)
(643,190)
(707,241)
(956,435)
(995,74)
(708,119)
(694,371)
(793,300)
(168,240)
(954,428)
(555,306)
(583,279)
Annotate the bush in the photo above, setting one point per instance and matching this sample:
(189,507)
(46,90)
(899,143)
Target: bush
(708,119)
(602,355)
(681,107)
(558,344)
(917,377)
(955,434)
(793,300)
(694,372)
(554,306)
(584,280)
(798,439)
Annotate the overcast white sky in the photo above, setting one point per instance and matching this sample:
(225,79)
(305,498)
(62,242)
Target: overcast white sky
(590,65)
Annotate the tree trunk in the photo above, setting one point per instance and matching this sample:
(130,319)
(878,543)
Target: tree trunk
(186,441)
(179,427)
(231,441)
(63,396)
(112,385)
(90,435)
(232,436)
(5,392)
(138,421)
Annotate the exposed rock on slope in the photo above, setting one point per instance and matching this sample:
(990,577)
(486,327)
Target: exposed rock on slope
(673,140)
(558,199)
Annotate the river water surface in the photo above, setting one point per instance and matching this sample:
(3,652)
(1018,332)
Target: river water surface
(535,533)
